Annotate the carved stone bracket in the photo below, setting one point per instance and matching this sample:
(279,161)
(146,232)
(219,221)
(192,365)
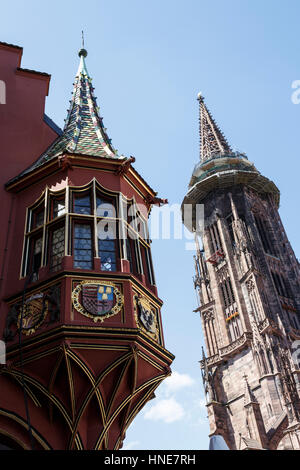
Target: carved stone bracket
(264,325)
(236,345)
(212,360)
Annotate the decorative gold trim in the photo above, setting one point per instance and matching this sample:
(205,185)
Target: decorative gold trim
(142,302)
(19,420)
(13,438)
(115,309)
(27,314)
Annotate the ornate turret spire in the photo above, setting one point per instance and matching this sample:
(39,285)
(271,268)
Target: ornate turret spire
(212,141)
(83,132)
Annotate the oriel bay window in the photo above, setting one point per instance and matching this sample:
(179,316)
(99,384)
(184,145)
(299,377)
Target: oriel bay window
(84,223)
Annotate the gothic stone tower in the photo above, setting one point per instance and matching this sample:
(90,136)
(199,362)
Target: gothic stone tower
(80,313)
(248,284)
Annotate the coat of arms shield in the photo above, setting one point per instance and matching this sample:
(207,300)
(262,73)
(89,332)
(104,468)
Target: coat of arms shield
(98,299)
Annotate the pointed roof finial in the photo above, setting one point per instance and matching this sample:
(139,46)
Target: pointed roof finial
(82,70)
(212,140)
(82,52)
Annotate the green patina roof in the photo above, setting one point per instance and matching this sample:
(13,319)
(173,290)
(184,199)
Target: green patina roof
(83,132)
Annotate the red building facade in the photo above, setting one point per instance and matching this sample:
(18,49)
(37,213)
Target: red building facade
(80,314)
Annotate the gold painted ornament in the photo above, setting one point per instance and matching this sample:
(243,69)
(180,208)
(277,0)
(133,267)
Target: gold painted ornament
(146,317)
(97,299)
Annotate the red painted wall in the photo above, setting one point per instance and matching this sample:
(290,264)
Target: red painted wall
(24,135)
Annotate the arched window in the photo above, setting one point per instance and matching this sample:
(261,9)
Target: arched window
(265,235)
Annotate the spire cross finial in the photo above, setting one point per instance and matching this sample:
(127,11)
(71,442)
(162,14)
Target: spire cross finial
(83,51)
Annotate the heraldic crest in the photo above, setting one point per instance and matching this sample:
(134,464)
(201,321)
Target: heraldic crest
(97,299)
(146,316)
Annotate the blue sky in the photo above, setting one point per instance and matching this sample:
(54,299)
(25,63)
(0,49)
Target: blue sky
(148,61)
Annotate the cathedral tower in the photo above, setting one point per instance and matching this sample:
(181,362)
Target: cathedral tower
(248,285)
(80,313)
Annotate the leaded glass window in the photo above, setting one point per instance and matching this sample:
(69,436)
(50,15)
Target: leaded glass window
(37,218)
(37,258)
(57,249)
(47,241)
(83,253)
(105,208)
(129,254)
(107,254)
(82,204)
(58,208)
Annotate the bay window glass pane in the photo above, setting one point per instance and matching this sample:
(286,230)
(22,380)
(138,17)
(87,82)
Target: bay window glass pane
(82,204)
(105,208)
(83,252)
(107,254)
(57,250)
(58,207)
(37,219)
(37,258)
(129,254)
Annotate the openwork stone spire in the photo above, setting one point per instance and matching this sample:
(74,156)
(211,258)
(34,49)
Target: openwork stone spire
(212,140)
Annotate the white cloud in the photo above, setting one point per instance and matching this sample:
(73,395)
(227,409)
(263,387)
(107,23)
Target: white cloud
(201,403)
(177,381)
(168,410)
(131,445)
